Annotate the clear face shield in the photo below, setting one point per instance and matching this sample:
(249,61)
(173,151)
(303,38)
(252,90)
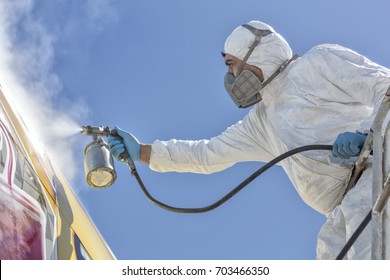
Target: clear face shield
(244,89)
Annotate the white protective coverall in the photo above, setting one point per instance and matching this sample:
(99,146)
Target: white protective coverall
(328,91)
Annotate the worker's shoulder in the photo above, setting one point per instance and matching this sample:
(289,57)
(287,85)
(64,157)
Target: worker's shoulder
(328,48)
(330,52)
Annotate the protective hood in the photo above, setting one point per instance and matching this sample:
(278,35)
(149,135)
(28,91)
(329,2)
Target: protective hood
(272,51)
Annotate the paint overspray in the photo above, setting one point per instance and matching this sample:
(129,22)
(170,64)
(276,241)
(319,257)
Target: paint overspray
(27,53)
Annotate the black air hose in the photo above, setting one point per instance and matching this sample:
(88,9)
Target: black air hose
(235,190)
(232,193)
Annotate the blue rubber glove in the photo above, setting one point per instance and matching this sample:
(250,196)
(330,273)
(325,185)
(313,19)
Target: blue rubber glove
(130,144)
(348,144)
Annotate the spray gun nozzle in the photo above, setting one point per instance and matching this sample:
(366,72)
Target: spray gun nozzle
(96,130)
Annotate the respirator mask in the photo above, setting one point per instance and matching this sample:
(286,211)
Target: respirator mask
(244,89)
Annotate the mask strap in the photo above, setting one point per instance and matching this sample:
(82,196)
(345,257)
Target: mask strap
(280,70)
(259,33)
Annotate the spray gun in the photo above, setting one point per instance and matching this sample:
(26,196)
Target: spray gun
(98,162)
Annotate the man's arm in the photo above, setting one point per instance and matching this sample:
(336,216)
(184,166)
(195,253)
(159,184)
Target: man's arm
(247,140)
(145,151)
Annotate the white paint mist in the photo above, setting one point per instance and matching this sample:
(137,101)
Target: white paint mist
(27,53)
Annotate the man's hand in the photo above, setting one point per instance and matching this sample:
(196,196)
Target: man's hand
(348,144)
(130,144)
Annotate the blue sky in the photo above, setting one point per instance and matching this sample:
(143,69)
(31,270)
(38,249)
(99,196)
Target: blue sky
(154,68)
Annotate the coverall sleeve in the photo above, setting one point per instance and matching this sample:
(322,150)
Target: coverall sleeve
(361,80)
(244,141)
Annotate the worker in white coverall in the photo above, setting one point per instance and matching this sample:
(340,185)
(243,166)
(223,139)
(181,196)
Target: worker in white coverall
(329,96)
